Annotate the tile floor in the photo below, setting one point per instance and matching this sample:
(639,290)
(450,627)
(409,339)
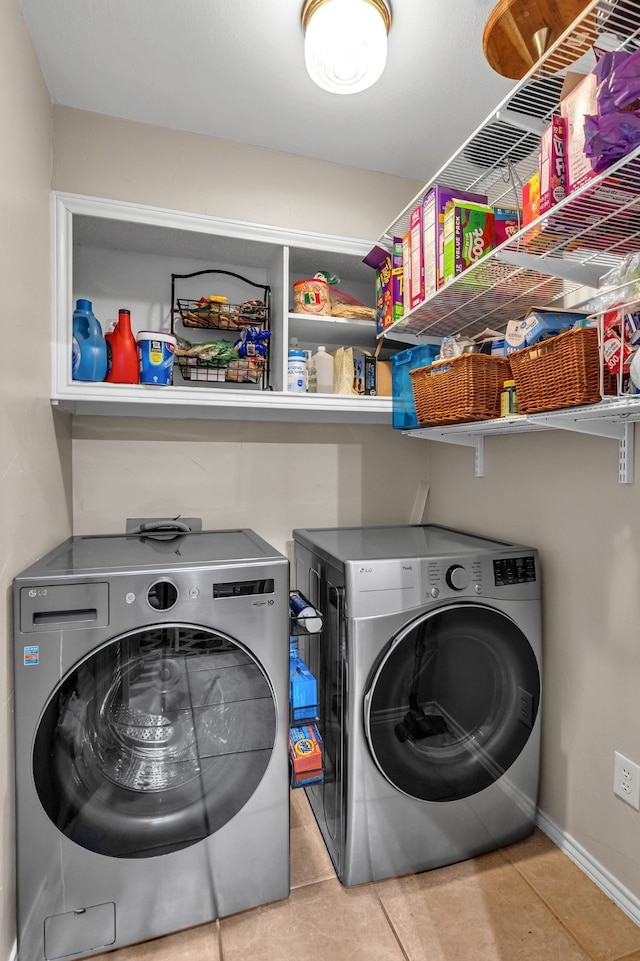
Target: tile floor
(528,902)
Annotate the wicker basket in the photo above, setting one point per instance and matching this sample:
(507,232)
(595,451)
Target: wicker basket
(459,390)
(563,371)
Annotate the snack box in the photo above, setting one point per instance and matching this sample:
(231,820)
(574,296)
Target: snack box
(433,210)
(531,199)
(404,415)
(303,691)
(507,222)
(577,100)
(416,281)
(539,324)
(469,231)
(305,752)
(389,286)
(397,280)
(552,164)
(365,378)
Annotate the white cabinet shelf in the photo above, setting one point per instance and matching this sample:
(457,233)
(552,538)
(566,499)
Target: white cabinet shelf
(119,254)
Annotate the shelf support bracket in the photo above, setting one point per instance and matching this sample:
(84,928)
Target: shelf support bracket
(586,275)
(463,440)
(616,430)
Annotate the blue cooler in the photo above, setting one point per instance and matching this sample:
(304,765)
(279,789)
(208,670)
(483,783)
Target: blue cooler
(404,409)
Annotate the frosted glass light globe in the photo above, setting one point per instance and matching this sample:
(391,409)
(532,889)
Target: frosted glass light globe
(345,45)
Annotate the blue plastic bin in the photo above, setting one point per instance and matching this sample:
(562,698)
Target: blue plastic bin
(404,409)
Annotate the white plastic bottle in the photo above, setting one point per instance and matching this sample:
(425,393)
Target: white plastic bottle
(297,372)
(323,363)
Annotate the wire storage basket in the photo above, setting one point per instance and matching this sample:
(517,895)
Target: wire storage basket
(459,390)
(563,371)
(223,340)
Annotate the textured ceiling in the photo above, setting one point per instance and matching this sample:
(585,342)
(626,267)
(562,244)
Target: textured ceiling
(235,69)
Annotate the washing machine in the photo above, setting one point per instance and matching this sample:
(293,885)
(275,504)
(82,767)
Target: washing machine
(151,720)
(429,672)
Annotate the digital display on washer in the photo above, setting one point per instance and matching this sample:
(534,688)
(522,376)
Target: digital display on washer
(243,588)
(514,570)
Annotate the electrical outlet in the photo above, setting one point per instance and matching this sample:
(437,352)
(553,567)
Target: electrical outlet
(626,780)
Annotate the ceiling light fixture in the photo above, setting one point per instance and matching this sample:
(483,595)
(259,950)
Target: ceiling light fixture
(345,42)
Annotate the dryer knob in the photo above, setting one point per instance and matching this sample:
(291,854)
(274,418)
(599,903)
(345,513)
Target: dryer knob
(457,577)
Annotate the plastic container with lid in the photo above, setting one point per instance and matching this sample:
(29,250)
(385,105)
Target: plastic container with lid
(297,371)
(155,354)
(508,399)
(89,353)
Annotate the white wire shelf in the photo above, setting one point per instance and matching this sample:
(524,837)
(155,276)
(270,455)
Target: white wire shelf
(570,246)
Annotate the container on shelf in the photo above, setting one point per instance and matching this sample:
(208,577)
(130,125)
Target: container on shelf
(122,351)
(460,389)
(321,366)
(404,415)
(89,350)
(509,399)
(238,354)
(297,373)
(155,353)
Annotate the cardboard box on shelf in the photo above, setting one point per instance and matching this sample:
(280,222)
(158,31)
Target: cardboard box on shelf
(433,210)
(552,164)
(468,232)
(416,284)
(380,260)
(507,222)
(531,199)
(577,100)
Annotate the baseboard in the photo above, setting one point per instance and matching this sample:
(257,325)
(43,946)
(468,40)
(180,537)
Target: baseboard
(625,900)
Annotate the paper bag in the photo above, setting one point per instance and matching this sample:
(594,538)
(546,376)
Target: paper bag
(343,371)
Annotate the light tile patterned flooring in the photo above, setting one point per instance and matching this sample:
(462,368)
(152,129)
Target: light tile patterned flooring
(528,902)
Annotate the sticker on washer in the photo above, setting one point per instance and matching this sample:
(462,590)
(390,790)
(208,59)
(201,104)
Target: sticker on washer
(32,655)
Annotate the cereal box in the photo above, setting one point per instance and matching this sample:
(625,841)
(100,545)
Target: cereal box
(531,199)
(508,221)
(433,209)
(552,166)
(468,236)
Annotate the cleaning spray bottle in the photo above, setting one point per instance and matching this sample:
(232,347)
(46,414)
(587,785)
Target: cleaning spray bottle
(89,353)
(122,351)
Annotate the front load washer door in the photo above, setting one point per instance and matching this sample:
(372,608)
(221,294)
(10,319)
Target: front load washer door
(452,702)
(155,741)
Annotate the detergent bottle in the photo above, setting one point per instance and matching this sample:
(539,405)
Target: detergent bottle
(89,356)
(122,351)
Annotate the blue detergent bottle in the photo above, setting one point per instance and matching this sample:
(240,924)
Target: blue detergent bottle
(89,357)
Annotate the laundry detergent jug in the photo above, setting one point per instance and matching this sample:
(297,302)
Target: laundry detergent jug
(122,351)
(89,356)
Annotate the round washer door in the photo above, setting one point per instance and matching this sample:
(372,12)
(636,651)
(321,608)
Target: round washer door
(452,703)
(155,741)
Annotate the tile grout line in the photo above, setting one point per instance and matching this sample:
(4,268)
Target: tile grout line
(560,921)
(390,923)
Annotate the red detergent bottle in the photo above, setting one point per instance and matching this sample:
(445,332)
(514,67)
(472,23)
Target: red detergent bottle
(122,351)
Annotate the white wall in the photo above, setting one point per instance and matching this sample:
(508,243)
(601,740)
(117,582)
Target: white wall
(35,448)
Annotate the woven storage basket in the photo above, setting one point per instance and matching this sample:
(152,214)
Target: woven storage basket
(459,390)
(560,372)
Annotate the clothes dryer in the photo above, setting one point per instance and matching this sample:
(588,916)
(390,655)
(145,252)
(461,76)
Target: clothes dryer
(151,717)
(429,671)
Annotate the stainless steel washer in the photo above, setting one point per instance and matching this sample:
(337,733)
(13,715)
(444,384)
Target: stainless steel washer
(151,707)
(429,671)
